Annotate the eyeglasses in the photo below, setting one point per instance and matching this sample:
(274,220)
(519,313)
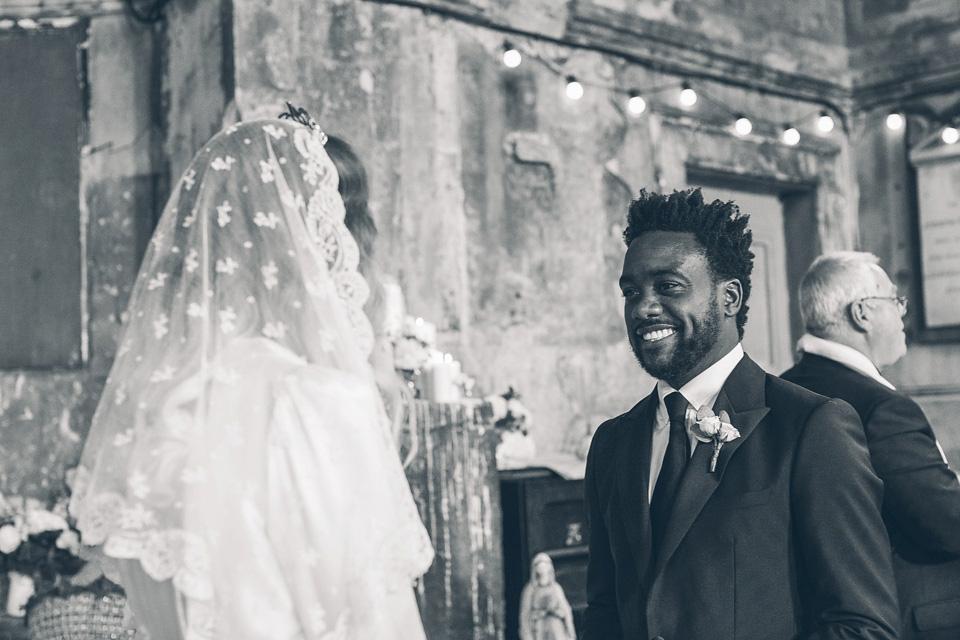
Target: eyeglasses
(900,300)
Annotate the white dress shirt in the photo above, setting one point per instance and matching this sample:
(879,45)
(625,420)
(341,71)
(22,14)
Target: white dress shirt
(702,390)
(847,356)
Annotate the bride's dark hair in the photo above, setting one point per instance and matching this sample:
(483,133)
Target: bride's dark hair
(353,189)
(352,185)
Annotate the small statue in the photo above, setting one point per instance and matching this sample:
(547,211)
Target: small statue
(545,613)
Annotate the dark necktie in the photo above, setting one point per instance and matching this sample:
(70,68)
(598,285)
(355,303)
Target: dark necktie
(674,462)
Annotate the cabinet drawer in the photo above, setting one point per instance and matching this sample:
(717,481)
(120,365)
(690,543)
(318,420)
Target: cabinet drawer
(555,514)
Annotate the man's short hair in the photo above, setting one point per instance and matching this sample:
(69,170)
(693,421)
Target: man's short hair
(719,227)
(831,284)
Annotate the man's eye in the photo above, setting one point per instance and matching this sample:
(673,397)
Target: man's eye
(628,293)
(668,287)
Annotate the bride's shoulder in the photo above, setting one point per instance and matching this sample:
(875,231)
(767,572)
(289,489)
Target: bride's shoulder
(332,380)
(268,360)
(261,352)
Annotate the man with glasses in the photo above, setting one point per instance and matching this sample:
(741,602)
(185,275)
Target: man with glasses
(854,322)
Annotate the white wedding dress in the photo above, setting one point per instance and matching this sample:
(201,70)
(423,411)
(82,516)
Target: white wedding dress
(240,463)
(303,539)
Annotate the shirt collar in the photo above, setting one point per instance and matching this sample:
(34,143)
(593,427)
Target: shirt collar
(841,353)
(704,389)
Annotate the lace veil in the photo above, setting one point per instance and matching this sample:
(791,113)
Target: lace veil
(251,275)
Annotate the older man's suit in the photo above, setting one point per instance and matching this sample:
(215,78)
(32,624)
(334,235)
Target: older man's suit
(784,540)
(921,504)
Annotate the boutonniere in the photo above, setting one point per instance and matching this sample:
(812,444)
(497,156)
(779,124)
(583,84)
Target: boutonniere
(716,429)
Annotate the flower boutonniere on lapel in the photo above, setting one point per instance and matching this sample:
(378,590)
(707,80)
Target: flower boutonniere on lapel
(716,429)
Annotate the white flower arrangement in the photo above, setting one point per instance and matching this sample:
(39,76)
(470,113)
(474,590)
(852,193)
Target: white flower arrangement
(508,412)
(415,345)
(511,419)
(38,540)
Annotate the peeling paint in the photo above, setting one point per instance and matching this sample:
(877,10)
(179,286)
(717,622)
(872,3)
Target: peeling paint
(44,415)
(456,487)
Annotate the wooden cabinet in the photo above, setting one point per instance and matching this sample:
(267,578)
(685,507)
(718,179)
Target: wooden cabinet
(542,512)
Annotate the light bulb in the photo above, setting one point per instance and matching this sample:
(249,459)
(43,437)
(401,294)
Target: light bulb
(743,126)
(636,105)
(512,58)
(688,97)
(574,88)
(825,122)
(950,135)
(791,136)
(894,121)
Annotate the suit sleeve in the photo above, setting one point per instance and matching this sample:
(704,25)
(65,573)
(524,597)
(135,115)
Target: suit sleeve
(601,620)
(921,493)
(841,537)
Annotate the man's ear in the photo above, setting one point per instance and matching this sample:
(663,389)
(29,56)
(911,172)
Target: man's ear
(732,297)
(859,316)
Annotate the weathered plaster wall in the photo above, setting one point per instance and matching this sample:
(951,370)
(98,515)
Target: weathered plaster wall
(44,415)
(885,37)
(793,36)
(930,372)
(500,202)
(197,77)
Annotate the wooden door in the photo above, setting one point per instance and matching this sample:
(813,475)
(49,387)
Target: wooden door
(767,335)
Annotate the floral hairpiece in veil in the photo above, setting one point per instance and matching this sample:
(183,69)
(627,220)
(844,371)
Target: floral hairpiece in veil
(324,216)
(299,114)
(352,288)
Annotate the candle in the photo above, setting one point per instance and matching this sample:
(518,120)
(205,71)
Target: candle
(393,309)
(441,376)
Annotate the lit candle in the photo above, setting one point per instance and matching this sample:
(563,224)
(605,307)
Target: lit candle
(441,375)
(393,309)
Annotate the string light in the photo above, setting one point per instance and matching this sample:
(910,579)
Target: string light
(636,104)
(511,57)
(743,126)
(790,135)
(825,122)
(574,88)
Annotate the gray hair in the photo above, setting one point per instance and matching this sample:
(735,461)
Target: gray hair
(832,283)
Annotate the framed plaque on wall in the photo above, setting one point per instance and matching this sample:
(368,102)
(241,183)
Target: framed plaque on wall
(938,234)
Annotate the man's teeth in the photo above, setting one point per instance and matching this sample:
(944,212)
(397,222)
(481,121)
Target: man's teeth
(659,334)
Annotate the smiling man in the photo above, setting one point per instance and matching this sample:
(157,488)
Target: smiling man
(728,504)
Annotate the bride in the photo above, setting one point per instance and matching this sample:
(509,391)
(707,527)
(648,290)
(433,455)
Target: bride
(240,463)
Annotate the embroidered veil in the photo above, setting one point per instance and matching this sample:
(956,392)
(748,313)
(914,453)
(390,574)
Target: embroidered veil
(240,456)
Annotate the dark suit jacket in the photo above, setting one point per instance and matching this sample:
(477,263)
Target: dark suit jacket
(784,540)
(921,502)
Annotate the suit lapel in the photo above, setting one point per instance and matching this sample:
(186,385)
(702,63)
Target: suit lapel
(742,396)
(633,479)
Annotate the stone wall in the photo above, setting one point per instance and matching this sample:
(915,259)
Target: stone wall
(499,201)
(888,212)
(905,55)
(45,414)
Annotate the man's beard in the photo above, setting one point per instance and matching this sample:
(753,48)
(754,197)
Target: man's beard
(689,350)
